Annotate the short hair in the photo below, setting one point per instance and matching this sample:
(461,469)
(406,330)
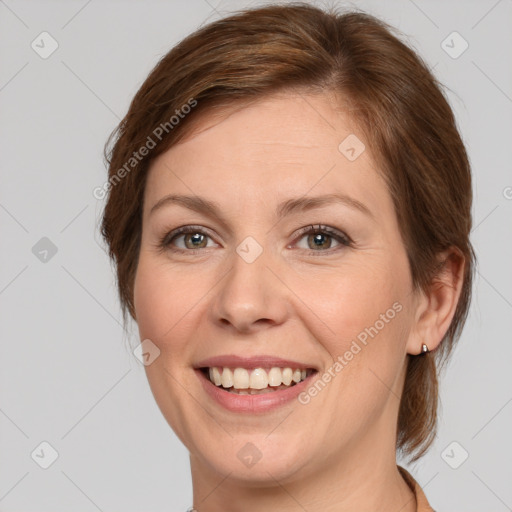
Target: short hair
(395,101)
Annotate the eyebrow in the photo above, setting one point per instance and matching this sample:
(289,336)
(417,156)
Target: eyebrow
(286,208)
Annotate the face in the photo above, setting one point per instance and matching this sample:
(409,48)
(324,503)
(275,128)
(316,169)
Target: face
(300,258)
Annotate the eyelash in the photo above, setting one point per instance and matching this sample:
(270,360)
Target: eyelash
(343,239)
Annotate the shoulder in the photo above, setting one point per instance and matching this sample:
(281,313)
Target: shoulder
(421,499)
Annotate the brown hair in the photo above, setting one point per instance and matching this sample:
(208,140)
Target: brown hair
(398,105)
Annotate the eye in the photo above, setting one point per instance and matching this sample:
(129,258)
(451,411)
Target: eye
(320,238)
(191,238)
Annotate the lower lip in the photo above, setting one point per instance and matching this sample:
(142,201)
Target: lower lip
(252,403)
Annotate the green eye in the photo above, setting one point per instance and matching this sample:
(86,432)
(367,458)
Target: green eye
(319,238)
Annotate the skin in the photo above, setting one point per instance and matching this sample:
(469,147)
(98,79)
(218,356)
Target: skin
(337,452)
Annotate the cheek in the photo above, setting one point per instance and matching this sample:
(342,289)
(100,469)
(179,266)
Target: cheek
(162,299)
(171,304)
(360,320)
(349,301)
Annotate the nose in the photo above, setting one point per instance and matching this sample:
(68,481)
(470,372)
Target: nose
(251,296)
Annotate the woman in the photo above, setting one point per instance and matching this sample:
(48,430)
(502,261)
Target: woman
(289,209)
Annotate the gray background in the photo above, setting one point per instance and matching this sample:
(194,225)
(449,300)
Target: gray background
(68,376)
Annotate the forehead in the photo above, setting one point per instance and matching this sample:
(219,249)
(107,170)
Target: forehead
(281,146)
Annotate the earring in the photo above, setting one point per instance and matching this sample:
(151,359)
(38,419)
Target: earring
(424,348)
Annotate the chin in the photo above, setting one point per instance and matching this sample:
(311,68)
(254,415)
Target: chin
(253,459)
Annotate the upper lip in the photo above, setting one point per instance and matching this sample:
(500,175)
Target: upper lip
(260,361)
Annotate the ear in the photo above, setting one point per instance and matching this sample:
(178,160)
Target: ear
(435,309)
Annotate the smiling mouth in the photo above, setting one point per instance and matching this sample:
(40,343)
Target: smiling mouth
(255,381)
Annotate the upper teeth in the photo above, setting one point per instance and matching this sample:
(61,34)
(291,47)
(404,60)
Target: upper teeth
(258,378)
